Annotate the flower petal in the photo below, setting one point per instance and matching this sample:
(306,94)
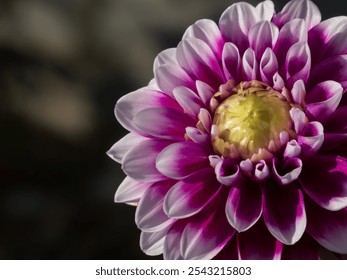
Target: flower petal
(244,205)
(130,191)
(149,214)
(268,66)
(304,9)
(227,171)
(179,160)
(231,61)
(188,100)
(198,60)
(167,56)
(305,249)
(249,66)
(287,171)
(325,180)
(284,212)
(152,242)
(249,247)
(328,228)
(299,92)
(323,100)
(229,252)
(189,196)
(139,162)
(266,10)
(299,119)
(235,23)
(311,138)
(205,92)
(207,31)
(172,242)
(292,149)
(197,136)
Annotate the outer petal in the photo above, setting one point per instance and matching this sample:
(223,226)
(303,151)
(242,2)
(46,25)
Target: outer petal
(244,205)
(323,100)
(229,252)
(325,181)
(198,60)
(189,196)
(284,212)
(167,56)
(179,160)
(152,242)
(129,105)
(266,10)
(150,215)
(305,249)
(172,242)
(249,247)
(139,162)
(304,9)
(235,23)
(207,31)
(328,228)
(120,148)
(130,191)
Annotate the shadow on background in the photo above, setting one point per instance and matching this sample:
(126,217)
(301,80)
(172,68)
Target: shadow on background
(64,63)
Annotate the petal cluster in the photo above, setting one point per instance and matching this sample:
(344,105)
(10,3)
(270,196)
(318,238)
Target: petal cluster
(287,200)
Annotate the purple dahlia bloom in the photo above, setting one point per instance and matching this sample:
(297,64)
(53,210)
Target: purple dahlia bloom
(237,149)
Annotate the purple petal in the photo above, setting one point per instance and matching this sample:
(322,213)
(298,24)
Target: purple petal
(325,180)
(305,249)
(152,242)
(323,100)
(139,162)
(172,242)
(284,212)
(337,122)
(188,100)
(261,171)
(207,31)
(130,191)
(179,160)
(292,149)
(266,10)
(261,36)
(205,92)
(268,66)
(206,119)
(235,23)
(328,228)
(197,136)
(229,252)
(129,105)
(311,138)
(258,244)
(231,61)
(299,92)
(149,214)
(191,195)
(167,56)
(164,123)
(227,171)
(120,148)
(249,66)
(304,9)
(299,119)
(206,236)
(298,63)
(198,60)
(244,205)
(288,171)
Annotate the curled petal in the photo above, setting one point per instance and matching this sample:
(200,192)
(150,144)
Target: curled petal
(299,92)
(266,10)
(268,66)
(303,9)
(130,191)
(152,242)
(227,172)
(325,180)
(288,171)
(261,171)
(197,136)
(206,119)
(323,100)
(188,100)
(249,66)
(311,138)
(284,212)
(179,160)
(292,149)
(244,205)
(299,119)
(231,61)
(205,92)
(207,31)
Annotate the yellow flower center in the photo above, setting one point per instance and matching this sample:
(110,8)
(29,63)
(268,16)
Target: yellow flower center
(250,120)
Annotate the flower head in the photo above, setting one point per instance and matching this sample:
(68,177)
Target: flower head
(237,147)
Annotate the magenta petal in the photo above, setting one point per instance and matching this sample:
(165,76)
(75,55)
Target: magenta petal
(258,244)
(149,214)
(179,160)
(227,171)
(188,100)
(205,92)
(229,252)
(325,181)
(206,119)
(207,31)
(303,9)
(328,228)
(205,237)
(299,92)
(292,149)
(287,171)
(172,242)
(197,136)
(231,61)
(198,60)
(129,105)
(189,196)
(249,66)
(266,10)
(236,21)
(139,162)
(261,36)
(299,119)
(268,66)
(311,138)
(284,212)
(244,205)
(261,171)
(152,243)
(323,100)
(120,148)
(337,122)
(305,249)
(130,191)
(164,123)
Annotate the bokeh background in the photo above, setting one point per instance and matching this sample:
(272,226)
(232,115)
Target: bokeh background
(63,65)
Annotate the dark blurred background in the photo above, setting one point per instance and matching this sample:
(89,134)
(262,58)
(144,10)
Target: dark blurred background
(63,65)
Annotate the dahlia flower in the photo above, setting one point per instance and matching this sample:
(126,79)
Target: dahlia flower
(237,149)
